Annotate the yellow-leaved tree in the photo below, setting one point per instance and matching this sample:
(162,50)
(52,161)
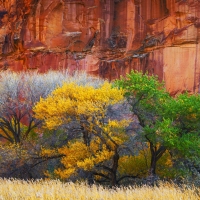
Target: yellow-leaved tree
(95,148)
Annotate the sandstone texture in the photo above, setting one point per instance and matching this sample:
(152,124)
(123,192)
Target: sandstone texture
(107,38)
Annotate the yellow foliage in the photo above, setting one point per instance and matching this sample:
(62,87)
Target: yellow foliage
(6,132)
(48,152)
(9,133)
(78,155)
(139,165)
(134,165)
(74,100)
(66,173)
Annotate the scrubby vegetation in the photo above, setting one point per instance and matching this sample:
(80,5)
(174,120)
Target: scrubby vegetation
(80,128)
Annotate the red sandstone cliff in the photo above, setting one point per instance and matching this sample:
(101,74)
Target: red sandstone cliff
(104,37)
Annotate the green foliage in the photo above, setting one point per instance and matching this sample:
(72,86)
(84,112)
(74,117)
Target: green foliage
(184,111)
(143,90)
(169,123)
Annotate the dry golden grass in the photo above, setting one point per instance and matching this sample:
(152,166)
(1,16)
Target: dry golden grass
(16,189)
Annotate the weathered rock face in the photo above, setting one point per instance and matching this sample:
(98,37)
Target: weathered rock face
(104,37)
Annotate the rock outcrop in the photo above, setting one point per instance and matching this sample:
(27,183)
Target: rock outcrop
(107,38)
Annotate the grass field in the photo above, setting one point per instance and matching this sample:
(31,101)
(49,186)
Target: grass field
(47,190)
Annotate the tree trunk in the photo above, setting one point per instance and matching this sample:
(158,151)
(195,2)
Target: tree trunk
(114,169)
(86,137)
(90,178)
(152,170)
(156,154)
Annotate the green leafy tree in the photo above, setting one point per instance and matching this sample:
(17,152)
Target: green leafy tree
(167,123)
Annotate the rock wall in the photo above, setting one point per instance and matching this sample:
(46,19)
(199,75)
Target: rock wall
(107,38)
